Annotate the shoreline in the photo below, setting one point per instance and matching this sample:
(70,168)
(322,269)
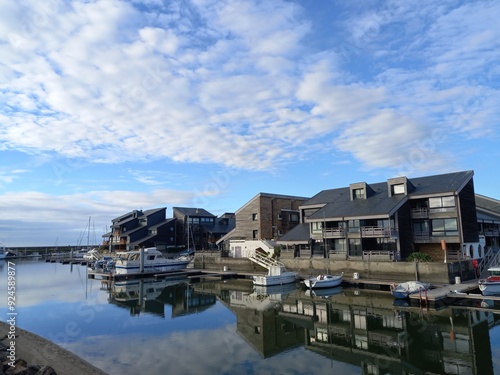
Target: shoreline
(36,350)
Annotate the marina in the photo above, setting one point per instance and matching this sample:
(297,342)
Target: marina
(232,324)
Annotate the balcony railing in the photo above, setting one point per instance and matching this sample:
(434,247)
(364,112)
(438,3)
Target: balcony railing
(491,232)
(379,232)
(334,232)
(421,236)
(420,213)
(378,255)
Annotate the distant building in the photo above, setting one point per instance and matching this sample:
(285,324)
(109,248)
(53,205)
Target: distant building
(488,218)
(138,229)
(265,217)
(390,220)
(199,229)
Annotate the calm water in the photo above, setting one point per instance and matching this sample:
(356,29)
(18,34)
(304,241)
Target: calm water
(228,328)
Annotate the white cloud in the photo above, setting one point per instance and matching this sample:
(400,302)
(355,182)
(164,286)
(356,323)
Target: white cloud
(106,81)
(65,216)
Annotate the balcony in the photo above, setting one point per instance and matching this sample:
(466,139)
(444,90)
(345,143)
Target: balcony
(491,232)
(421,237)
(376,232)
(420,213)
(334,233)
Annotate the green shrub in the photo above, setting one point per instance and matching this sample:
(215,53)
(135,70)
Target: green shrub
(419,257)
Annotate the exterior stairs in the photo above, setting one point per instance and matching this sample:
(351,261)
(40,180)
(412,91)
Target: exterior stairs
(266,262)
(491,258)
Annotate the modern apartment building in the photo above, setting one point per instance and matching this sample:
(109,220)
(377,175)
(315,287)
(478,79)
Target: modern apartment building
(390,220)
(265,217)
(139,228)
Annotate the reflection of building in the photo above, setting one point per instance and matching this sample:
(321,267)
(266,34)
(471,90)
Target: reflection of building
(151,296)
(372,332)
(259,321)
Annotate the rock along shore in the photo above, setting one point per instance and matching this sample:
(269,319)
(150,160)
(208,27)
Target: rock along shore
(36,355)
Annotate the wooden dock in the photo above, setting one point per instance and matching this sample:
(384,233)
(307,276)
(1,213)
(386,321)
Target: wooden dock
(188,273)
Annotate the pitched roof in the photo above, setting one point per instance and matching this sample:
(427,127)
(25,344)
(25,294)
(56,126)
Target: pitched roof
(193,211)
(298,234)
(337,203)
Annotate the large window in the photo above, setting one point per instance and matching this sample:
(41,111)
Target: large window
(444,227)
(439,202)
(398,189)
(353,226)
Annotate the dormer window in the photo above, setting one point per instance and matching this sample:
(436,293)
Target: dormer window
(398,189)
(358,193)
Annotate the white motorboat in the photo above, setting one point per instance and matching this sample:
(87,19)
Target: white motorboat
(4,253)
(491,285)
(92,254)
(403,290)
(323,281)
(153,261)
(277,275)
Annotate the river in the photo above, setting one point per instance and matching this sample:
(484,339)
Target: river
(228,327)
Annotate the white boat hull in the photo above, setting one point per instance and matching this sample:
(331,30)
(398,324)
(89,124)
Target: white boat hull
(403,290)
(326,281)
(283,278)
(171,266)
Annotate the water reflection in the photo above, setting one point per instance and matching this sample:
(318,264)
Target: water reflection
(151,296)
(359,327)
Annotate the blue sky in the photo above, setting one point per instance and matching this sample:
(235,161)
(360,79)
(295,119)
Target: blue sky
(109,106)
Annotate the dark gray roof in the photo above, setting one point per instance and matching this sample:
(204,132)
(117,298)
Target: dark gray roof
(441,183)
(338,204)
(487,204)
(219,227)
(193,211)
(298,234)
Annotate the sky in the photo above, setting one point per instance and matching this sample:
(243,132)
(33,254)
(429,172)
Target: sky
(108,106)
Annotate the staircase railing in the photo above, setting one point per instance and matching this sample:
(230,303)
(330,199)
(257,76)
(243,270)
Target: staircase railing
(265,261)
(491,257)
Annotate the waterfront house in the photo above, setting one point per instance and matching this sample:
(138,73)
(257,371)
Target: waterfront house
(199,229)
(488,218)
(390,220)
(265,217)
(138,228)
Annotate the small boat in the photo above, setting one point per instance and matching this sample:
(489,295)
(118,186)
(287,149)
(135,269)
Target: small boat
(403,290)
(491,285)
(130,262)
(4,253)
(323,281)
(277,275)
(92,254)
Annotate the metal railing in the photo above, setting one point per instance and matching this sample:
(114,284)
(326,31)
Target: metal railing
(378,232)
(420,213)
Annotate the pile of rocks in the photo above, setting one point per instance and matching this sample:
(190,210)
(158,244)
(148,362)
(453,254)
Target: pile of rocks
(21,367)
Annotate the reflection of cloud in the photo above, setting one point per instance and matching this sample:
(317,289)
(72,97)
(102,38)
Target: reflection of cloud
(39,282)
(218,351)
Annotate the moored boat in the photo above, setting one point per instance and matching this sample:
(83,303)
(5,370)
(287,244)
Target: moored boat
(3,252)
(153,261)
(324,281)
(403,290)
(491,285)
(277,275)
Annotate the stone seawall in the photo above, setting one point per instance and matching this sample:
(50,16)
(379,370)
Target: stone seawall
(433,272)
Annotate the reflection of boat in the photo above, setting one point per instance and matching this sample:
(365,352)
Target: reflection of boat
(276,275)
(134,290)
(403,290)
(324,292)
(153,260)
(491,285)
(323,281)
